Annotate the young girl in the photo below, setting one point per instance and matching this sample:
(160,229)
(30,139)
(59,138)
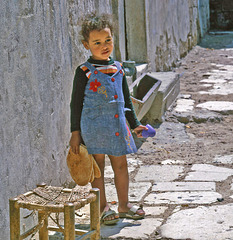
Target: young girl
(100,105)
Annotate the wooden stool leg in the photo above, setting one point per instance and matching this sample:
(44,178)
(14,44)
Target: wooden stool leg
(14,219)
(69,222)
(95,214)
(43,232)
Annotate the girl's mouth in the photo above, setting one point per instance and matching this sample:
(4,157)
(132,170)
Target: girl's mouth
(105,52)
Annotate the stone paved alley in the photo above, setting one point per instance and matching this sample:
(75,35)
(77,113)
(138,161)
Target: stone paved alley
(184,175)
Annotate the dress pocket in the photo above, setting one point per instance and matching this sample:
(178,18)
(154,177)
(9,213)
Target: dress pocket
(93,113)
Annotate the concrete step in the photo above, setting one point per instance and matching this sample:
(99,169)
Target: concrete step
(166,95)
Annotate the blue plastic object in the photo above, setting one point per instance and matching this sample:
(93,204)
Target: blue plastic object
(148,133)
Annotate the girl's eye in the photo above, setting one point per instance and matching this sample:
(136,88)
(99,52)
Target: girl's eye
(108,40)
(97,43)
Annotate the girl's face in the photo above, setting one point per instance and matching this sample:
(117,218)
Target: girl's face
(100,44)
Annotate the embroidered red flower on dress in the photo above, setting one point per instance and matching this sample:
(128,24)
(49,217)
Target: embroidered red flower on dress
(94,85)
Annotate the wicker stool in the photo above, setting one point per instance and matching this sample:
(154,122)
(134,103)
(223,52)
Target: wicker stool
(46,200)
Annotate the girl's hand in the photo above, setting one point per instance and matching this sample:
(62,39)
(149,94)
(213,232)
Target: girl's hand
(138,130)
(75,141)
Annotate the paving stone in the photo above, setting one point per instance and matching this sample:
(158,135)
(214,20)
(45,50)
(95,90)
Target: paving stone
(185,96)
(219,89)
(59,236)
(211,168)
(184,105)
(232,186)
(171,162)
(227,159)
(83,214)
(201,223)
(206,172)
(221,80)
(213,80)
(227,68)
(207,85)
(224,107)
(199,197)
(165,173)
(133,162)
(226,72)
(170,132)
(207,176)
(202,115)
(136,191)
(126,229)
(198,116)
(183,186)
(154,211)
(108,172)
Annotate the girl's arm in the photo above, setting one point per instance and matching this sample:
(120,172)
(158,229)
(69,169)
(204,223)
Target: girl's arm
(76,106)
(75,141)
(131,115)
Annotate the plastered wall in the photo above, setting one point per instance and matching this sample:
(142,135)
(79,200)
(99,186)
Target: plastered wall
(39,52)
(173,31)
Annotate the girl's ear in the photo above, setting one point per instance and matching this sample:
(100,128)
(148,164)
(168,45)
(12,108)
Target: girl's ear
(85,44)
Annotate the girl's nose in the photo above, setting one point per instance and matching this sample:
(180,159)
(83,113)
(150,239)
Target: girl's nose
(105,45)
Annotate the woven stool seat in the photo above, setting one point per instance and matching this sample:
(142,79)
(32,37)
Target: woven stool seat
(49,199)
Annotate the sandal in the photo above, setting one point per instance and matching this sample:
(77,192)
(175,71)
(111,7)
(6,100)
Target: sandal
(131,214)
(106,214)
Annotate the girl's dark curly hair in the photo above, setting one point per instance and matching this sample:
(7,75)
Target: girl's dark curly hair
(95,22)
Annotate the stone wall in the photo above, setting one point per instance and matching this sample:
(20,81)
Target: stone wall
(40,49)
(221,14)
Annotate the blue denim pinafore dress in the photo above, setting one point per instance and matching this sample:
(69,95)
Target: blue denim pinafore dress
(103,123)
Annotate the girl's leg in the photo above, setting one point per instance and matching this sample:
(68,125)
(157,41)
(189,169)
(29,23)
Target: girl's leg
(120,168)
(99,183)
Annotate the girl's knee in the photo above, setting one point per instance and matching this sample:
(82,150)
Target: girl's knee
(120,166)
(100,160)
